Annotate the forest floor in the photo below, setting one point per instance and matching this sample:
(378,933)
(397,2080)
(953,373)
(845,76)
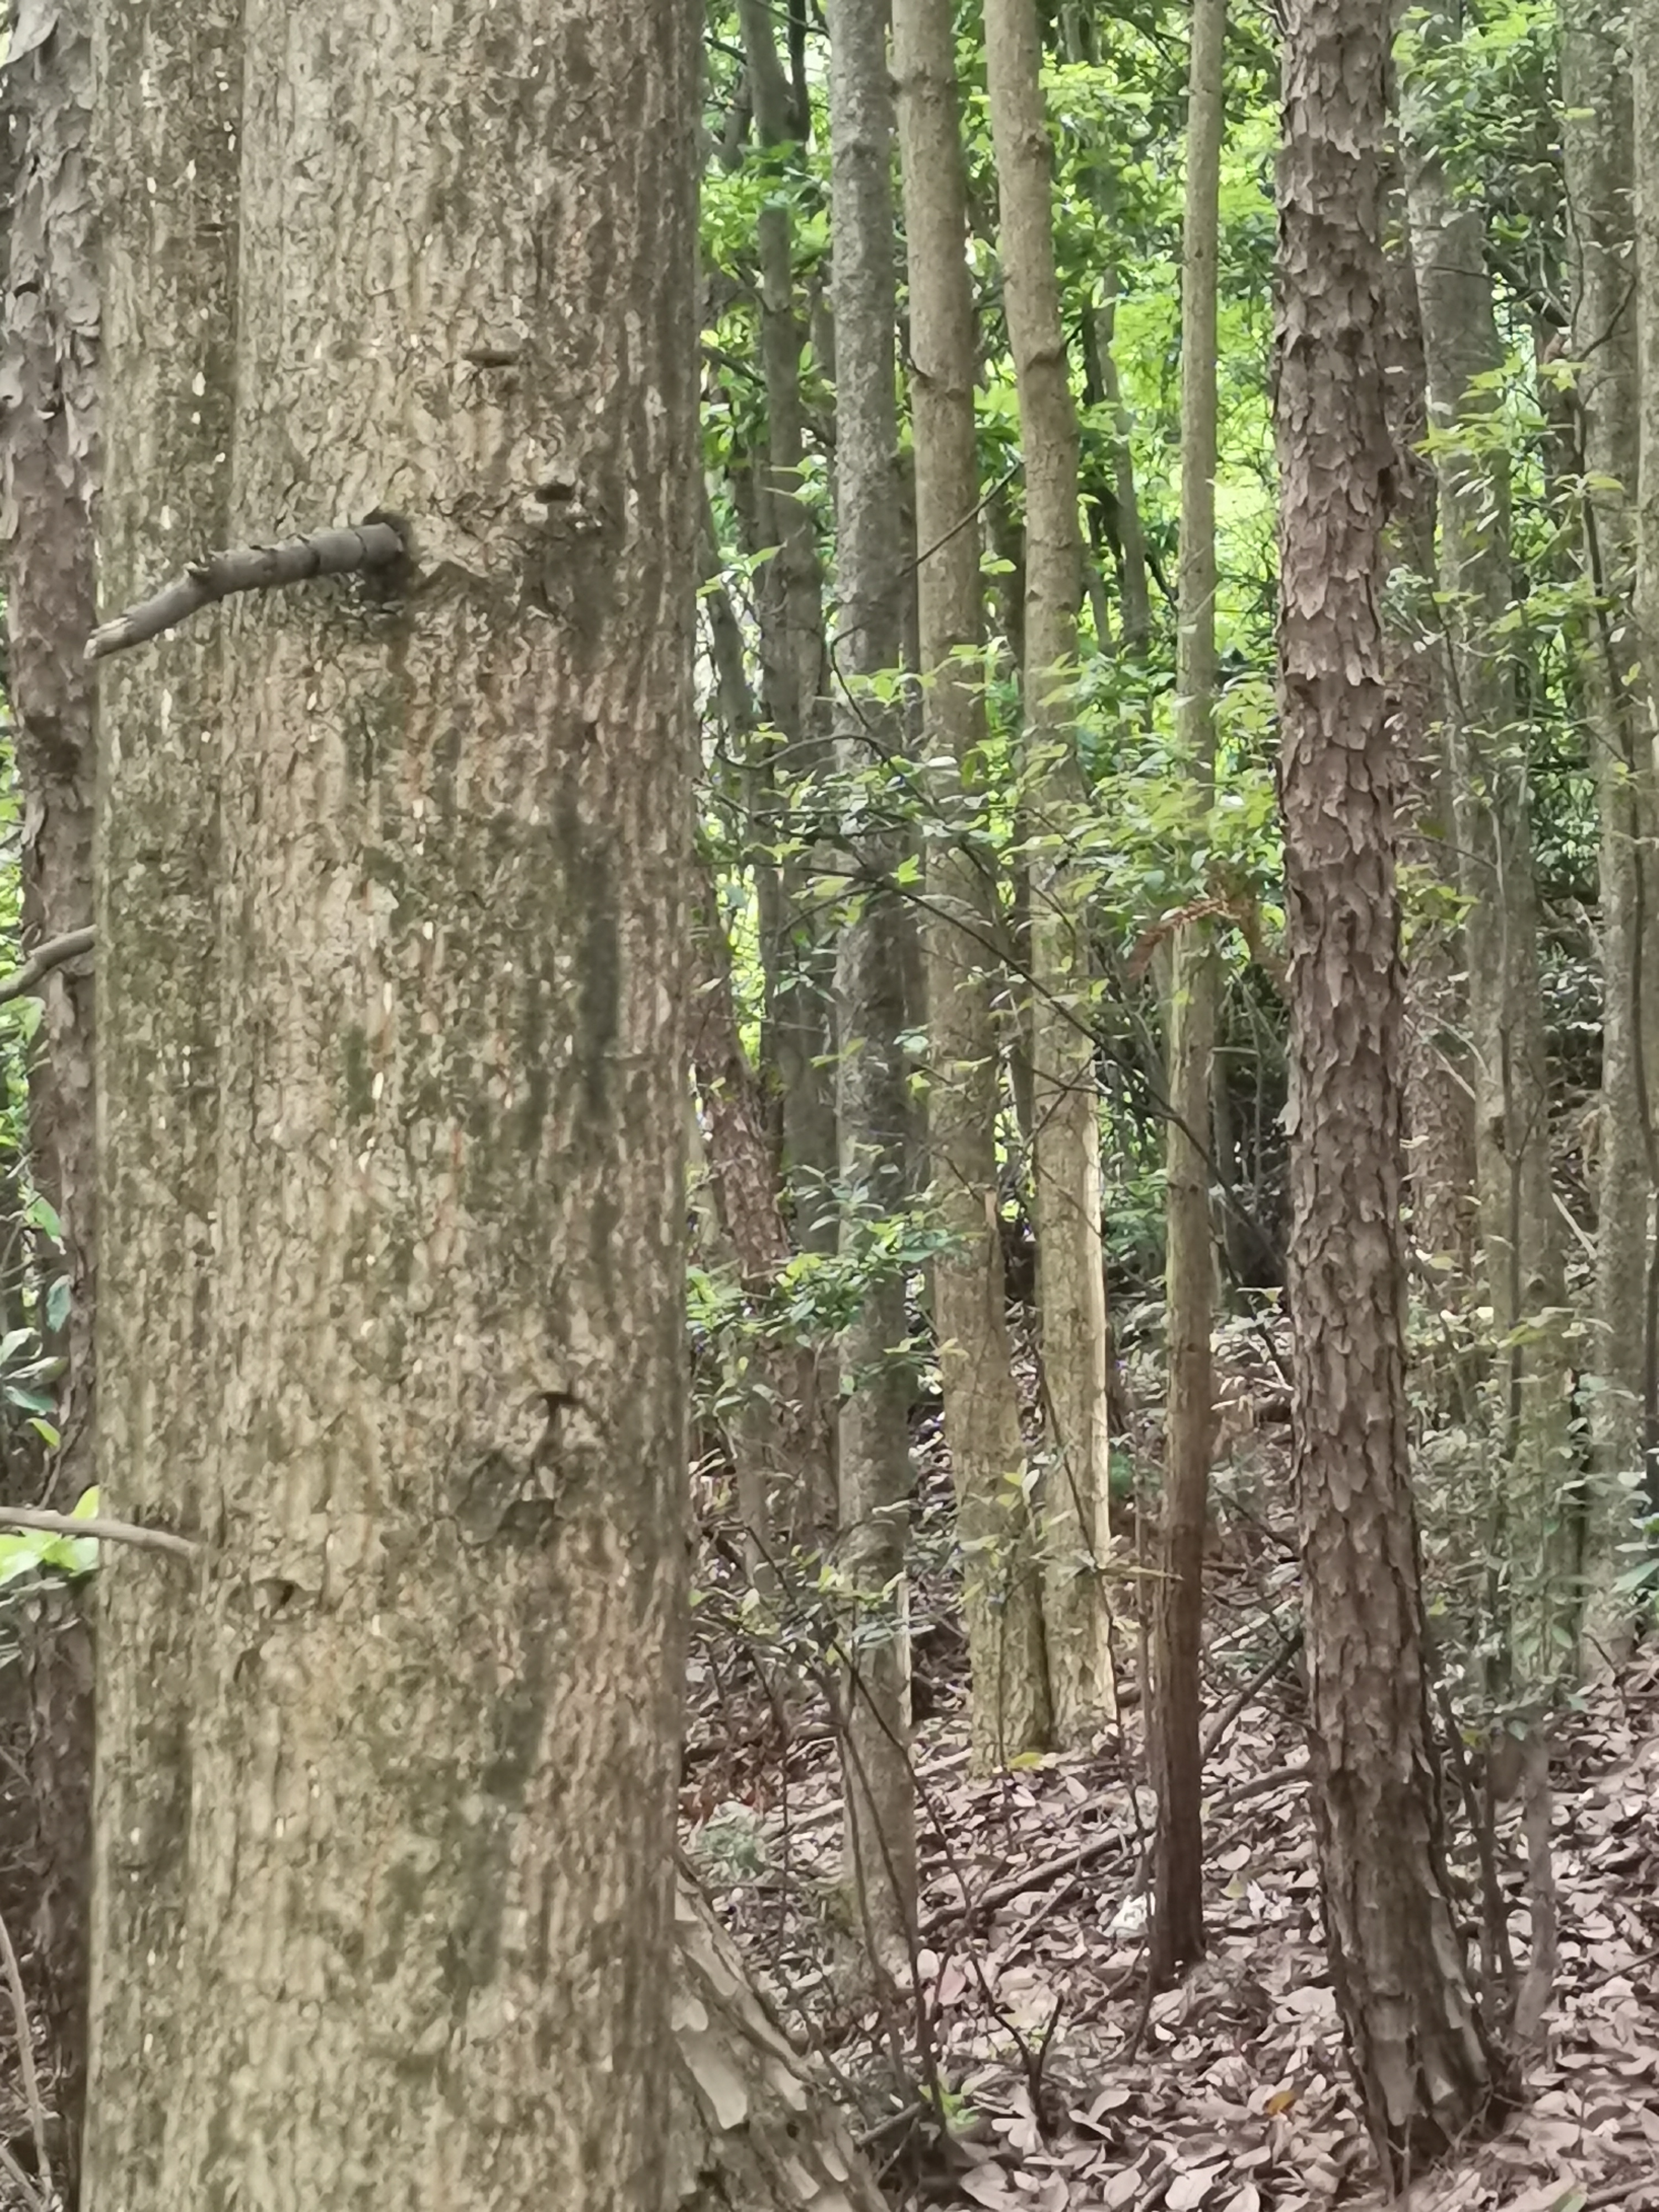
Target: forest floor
(1068,2090)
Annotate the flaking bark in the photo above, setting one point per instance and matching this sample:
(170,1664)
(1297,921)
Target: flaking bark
(1423,2073)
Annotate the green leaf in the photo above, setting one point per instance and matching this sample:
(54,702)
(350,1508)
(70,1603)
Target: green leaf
(43,1214)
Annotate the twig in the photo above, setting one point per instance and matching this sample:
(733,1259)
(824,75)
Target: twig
(52,954)
(1216,1731)
(1097,1847)
(20,2013)
(118,1532)
(249,568)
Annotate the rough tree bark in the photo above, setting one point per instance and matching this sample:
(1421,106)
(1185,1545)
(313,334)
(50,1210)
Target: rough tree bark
(168,168)
(871,1102)
(1065,1142)
(430,1747)
(48,485)
(1176,1934)
(1001,1598)
(1423,2071)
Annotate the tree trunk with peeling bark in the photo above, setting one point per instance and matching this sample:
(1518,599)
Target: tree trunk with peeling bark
(754,2130)
(1421,2064)
(1001,1595)
(1066,1144)
(413,1268)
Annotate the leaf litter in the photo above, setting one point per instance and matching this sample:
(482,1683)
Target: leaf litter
(1069,2092)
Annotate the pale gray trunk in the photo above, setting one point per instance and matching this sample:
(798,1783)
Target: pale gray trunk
(423,1782)
(1065,1142)
(1001,1597)
(1599,155)
(1645,63)
(871,1102)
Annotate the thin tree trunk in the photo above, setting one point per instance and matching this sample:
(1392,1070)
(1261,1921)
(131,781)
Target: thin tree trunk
(797,949)
(1439,1098)
(1178,1930)
(1599,155)
(1066,1143)
(1489,787)
(1422,2068)
(424,1785)
(1001,1596)
(48,458)
(871,1101)
(1645,71)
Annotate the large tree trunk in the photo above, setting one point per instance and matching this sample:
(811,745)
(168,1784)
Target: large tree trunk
(1599,156)
(168,168)
(871,1102)
(48,484)
(1491,801)
(1423,2071)
(423,1784)
(1002,1600)
(1178,1930)
(1066,1144)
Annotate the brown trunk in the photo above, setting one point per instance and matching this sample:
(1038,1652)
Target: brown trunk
(1177,1935)
(1419,2060)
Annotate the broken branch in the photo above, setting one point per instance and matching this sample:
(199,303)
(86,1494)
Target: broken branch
(52,954)
(118,1532)
(370,545)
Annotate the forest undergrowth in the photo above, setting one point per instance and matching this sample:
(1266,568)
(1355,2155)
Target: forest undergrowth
(1049,2080)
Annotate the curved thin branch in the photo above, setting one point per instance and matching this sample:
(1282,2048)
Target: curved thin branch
(118,1532)
(249,568)
(45,958)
